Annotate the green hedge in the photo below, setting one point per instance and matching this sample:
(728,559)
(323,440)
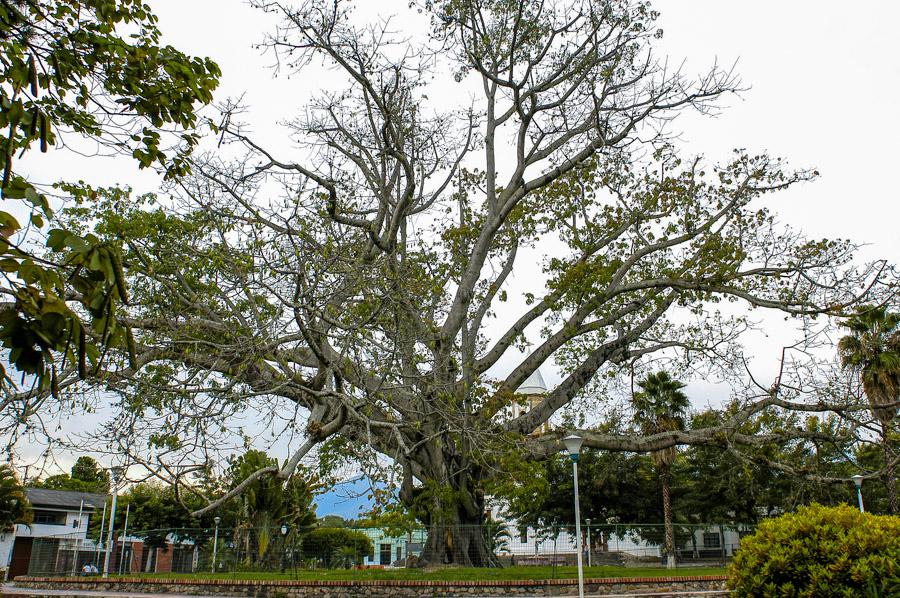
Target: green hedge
(819,552)
(335,546)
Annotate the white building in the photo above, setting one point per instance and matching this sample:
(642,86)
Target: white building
(57,513)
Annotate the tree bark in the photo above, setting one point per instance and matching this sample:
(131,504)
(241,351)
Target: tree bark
(460,543)
(667,517)
(454,516)
(890,480)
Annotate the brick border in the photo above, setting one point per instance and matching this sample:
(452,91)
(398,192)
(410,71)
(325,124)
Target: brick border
(394,583)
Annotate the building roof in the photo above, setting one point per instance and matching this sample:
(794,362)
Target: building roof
(67,499)
(533,385)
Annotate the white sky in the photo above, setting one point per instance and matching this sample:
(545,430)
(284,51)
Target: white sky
(824,79)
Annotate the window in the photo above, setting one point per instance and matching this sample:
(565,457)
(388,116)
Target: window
(711,540)
(399,552)
(523,534)
(49,517)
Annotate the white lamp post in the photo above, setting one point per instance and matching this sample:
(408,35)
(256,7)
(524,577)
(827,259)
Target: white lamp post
(114,475)
(588,522)
(215,542)
(573,445)
(857,480)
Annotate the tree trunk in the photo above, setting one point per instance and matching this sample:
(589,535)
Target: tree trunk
(890,480)
(667,517)
(454,519)
(461,543)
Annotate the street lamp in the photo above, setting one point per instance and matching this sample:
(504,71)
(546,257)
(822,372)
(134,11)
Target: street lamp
(573,445)
(857,480)
(115,473)
(588,522)
(284,533)
(215,542)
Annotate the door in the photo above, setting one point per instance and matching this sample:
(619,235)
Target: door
(385,554)
(21,557)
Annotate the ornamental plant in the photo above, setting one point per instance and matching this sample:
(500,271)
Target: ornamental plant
(819,552)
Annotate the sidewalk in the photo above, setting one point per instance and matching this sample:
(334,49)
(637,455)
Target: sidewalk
(8,590)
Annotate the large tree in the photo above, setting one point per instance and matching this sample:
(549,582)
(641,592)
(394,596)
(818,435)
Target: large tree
(661,406)
(872,349)
(355,287)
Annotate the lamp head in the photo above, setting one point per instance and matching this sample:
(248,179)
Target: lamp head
(284,529)
(217,519)
(573,445)
(857,480)
(115,473)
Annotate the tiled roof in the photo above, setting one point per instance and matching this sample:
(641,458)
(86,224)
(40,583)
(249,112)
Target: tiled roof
(64,498)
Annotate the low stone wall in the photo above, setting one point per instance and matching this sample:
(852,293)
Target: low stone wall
(379,588)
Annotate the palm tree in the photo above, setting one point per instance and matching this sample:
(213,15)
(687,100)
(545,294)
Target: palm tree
(873,350)
(14,507)
(661,407)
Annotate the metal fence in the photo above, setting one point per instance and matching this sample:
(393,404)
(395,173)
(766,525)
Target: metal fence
(292,551)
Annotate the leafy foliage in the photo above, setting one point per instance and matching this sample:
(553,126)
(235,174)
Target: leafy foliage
(155,513)
(818,552)
(268,502)
(86,476)
(14,506)
(335,546)
(95,69)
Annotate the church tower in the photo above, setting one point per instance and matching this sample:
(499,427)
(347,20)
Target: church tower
(533,390)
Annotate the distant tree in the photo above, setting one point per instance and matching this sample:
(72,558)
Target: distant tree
(14,506)
(660,407)
(86,476)
(153,513)
(266,503)
(333,521)
(87,470)
(873,350)
(720,484)
(619,487)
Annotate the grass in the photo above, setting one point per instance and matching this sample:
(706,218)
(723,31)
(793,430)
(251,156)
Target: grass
(446,574)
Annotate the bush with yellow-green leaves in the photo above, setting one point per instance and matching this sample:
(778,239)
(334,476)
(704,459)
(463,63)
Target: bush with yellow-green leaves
(820,552)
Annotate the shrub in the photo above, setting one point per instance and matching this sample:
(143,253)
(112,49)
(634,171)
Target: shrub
(324,543)
(819,552)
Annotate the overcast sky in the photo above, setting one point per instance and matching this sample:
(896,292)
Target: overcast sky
(824,79)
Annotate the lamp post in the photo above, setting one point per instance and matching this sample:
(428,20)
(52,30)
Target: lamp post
(77,539)
(124,535)
(588,523)
(284,533)
(215,543)
(573,445)
(857,480)
(114,475)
